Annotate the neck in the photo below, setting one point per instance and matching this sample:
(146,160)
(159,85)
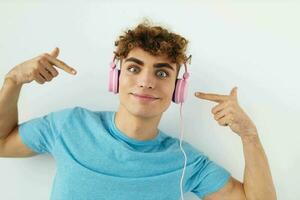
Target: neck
(137,127)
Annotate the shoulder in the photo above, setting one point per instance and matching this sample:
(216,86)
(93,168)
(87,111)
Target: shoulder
(74,111)
(78,116)
(65,115)
(233,189)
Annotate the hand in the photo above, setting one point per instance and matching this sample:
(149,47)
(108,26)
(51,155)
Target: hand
(40,69)
(228,112)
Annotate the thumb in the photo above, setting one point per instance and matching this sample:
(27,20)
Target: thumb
(233,92)
(55,52)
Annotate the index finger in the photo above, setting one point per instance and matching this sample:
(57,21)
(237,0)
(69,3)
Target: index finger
(212,97)
(60,64)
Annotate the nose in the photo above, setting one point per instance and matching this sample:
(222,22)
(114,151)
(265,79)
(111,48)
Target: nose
(146,80)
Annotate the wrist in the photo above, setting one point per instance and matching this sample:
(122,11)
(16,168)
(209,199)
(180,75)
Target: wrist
(250,137)
(11,79)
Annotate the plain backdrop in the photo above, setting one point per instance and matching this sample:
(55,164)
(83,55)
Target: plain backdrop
(254,45)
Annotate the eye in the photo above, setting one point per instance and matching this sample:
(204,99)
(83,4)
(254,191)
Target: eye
(162,74)
(131,67)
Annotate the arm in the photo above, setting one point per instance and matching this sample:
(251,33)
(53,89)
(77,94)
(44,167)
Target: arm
(11,144)
(258,183)
(41,69)
(9,96)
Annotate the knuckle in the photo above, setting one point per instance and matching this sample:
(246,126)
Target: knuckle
(39,68)
(43,57)
(55,74)
(34,73)
(48,78)
(40,62)
(45,54)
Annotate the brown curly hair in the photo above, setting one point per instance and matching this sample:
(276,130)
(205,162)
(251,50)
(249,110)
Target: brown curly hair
(154,39)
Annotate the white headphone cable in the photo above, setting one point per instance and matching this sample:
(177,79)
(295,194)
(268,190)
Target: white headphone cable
(185,158)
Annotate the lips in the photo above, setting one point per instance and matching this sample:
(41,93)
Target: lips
(145,96)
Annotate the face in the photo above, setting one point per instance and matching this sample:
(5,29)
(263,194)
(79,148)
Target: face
(145,74)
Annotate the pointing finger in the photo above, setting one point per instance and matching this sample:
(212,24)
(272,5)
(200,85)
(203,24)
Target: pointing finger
(212,97)
(60,64)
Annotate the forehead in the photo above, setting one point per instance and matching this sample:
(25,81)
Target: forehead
(147,57)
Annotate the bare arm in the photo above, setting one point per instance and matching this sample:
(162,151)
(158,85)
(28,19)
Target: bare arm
(11,144)
(258,183)
(41,69)
(9,95)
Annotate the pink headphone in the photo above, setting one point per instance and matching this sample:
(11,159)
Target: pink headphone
(179,94)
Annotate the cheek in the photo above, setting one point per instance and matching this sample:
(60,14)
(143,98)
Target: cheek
(168,90)
(126,85)
(123,81)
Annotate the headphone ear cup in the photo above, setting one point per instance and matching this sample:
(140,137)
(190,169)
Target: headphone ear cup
(113,80)
(180,92)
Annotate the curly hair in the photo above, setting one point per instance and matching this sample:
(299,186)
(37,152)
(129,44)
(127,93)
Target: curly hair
(154,39)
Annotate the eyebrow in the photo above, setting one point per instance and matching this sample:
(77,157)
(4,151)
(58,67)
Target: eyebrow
(156,65)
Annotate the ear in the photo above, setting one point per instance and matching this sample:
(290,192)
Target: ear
(121,60)
(178,69)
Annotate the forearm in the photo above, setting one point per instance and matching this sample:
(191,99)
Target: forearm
(258,183)
(9,95)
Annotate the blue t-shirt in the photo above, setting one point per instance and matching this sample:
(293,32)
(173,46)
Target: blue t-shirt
(96,161)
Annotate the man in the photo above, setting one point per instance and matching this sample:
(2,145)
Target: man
(123,154)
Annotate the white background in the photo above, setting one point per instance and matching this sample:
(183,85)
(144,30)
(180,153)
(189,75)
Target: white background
(254,45)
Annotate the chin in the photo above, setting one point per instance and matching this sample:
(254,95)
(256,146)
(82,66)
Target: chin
(144,110)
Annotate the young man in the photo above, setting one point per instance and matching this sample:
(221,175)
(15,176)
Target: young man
(123,154)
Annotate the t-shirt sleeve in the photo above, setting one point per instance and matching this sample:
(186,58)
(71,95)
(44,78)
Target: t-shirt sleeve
(208,177)
(40,133)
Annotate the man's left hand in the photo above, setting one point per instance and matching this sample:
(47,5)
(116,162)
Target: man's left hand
(228,112)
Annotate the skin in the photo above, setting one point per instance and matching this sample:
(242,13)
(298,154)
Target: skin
(40,69)
(229,112)
(139,120)
(258,183)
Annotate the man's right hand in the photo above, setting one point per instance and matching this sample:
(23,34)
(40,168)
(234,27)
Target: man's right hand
(40,69)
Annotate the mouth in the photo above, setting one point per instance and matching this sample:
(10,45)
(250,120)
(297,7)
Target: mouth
(144,98)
